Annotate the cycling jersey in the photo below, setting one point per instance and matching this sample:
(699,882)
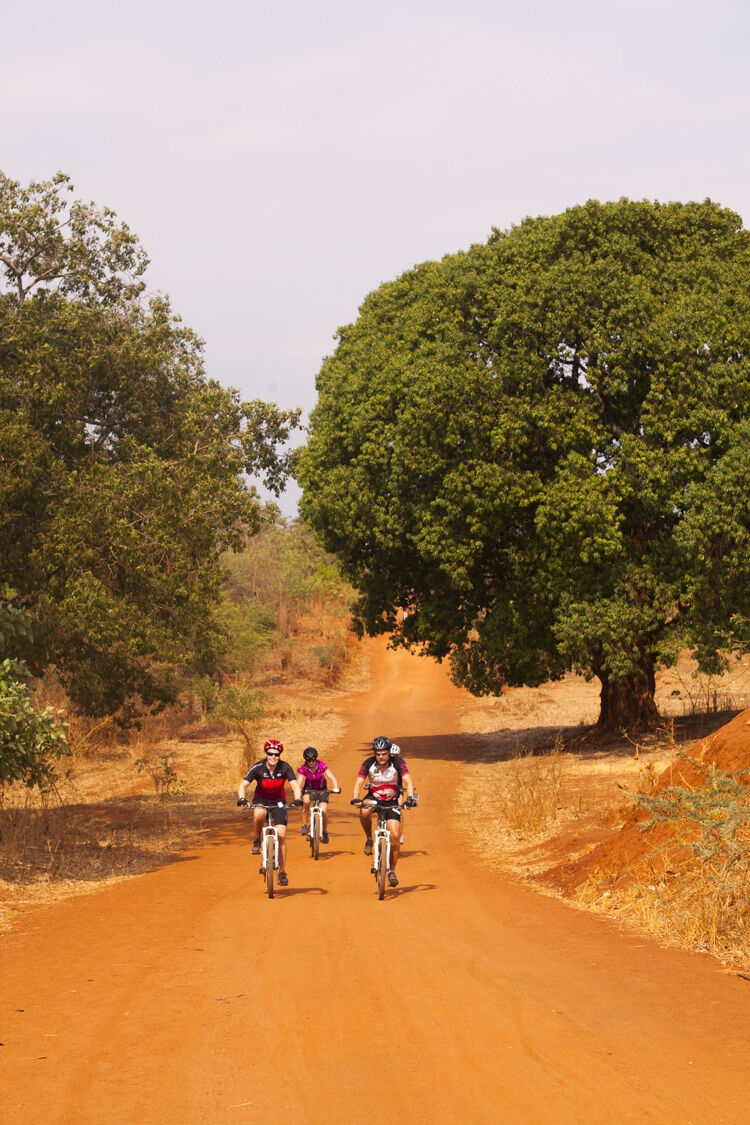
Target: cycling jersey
(385,783)
(269,787)
(315,777)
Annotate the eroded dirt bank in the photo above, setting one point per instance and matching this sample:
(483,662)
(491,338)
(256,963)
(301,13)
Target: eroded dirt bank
(187,996)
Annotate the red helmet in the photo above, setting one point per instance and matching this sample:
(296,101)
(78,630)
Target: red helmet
(274,744)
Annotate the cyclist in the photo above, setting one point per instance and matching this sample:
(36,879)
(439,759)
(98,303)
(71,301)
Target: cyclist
(314,776)
(389,779)
(270,777)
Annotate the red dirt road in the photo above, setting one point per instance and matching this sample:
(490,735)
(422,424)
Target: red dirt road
(186,996)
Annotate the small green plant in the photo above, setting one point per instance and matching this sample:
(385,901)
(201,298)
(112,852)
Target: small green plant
(163,775)
(707,891)
(241,710)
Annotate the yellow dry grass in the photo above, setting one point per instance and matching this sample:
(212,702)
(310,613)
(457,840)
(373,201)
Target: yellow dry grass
(127,804)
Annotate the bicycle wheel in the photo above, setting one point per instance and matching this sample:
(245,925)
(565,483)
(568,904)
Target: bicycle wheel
(381,868)
(268,858)
(315,840)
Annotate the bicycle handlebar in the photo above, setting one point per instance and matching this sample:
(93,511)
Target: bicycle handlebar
(384,804)
(273,805)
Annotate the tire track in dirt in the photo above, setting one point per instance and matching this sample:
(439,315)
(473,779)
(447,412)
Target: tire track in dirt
(187,996)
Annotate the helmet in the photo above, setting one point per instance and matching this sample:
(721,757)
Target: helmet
(381,743)
(310,754)
(273,744)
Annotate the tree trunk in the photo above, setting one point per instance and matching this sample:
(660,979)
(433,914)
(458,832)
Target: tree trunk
(629,704)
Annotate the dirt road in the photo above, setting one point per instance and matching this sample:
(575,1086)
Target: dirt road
(186,996)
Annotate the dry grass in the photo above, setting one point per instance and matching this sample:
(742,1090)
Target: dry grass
(530,810)
(681,910)
(127,803)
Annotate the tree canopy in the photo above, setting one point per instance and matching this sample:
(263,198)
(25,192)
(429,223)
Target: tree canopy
(541,444)
(122,466)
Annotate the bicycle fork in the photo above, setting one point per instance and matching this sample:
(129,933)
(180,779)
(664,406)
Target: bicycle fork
(382,833)
(264,851)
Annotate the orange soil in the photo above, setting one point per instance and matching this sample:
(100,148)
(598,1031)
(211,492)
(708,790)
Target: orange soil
(622,850)
(187,996)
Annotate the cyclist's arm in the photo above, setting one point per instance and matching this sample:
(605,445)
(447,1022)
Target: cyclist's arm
(243,788)
(296,788)
(358,784)
(408,790)
(331,779)
(301,780)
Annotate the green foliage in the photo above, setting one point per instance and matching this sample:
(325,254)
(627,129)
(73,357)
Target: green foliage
(122,467)
(30,740)
(541,445)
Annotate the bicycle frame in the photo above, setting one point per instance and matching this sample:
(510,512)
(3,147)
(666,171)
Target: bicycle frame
(382,833)
(316,824)
(317,821)
(269,846)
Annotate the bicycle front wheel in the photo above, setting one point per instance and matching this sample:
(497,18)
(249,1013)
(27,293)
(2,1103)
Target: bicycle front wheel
(381,867)
(268,860)
(315,841)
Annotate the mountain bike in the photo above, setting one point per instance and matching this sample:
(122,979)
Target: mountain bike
(381,840)
(315,831)
(269,842)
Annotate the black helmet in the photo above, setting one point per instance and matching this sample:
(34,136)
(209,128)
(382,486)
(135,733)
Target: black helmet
(381,743)
(310,754)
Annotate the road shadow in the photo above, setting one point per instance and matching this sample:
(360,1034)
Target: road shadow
(398,891)
(288,892)
(580,741)
(87,842)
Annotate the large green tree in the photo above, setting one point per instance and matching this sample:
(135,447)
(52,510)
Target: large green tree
(122,466)
(542,444)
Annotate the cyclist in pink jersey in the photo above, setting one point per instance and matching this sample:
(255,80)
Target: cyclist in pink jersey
(314,776)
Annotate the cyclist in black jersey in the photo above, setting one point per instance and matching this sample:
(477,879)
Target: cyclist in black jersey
(270,777)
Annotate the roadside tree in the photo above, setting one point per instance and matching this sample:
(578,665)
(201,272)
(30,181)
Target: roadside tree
(541,447)
(122,466)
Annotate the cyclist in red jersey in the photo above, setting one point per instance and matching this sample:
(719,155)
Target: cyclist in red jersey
(270,777)
(389,780)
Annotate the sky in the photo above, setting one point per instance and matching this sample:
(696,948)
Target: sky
(280,160)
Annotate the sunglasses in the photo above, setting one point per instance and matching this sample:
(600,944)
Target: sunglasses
(272,754)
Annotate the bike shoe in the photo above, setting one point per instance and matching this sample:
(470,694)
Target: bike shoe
(392,880)
(368,847)
(326,838)
(303,830)
(283,879)
(256,847)
(373,870)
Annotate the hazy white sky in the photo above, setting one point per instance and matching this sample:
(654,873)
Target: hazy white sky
(280,160)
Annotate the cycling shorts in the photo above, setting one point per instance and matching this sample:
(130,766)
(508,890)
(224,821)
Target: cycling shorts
(321,795)
(393,813)
(280,816)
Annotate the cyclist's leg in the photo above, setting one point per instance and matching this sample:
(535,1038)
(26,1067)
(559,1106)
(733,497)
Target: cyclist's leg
(305,811)
(259,816)
(324,810)
(365,819)
(394,827)
(281,829)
